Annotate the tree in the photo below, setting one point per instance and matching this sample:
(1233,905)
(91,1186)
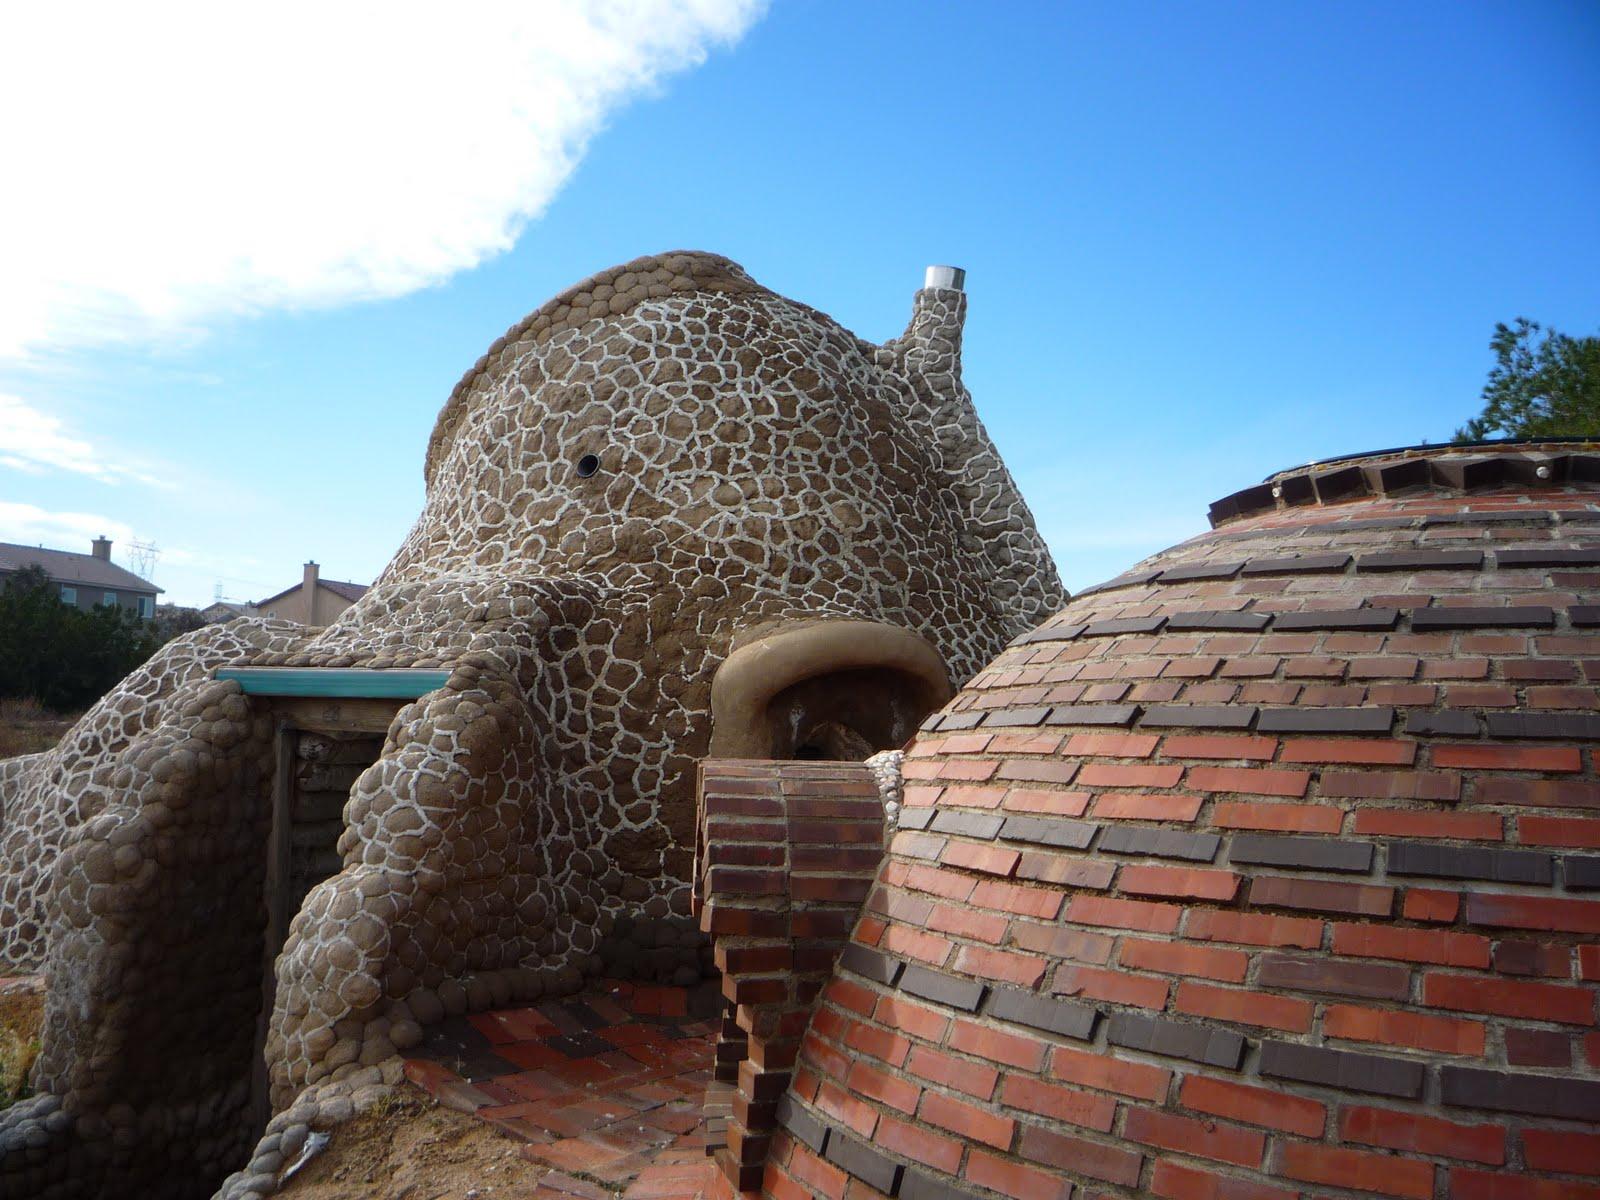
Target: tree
(60,655)
(1538,388)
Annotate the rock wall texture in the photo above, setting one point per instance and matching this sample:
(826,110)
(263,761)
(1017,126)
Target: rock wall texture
(658,466)
(1269,869)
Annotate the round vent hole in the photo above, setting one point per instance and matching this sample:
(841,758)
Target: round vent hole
(588,465)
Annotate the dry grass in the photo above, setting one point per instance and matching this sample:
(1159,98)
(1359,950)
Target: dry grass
(21,1017)
(27,727)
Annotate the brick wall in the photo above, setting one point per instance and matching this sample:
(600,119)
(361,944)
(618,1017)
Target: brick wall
(786,854)
(1269,870)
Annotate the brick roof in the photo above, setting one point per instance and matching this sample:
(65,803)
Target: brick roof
(83,570)
(1269,867)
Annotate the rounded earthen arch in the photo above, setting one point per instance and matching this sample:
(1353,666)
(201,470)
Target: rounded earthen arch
(759,672)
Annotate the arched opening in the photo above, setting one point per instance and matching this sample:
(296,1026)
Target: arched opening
(825,690)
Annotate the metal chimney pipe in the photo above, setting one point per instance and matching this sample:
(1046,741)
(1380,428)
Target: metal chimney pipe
(950,279)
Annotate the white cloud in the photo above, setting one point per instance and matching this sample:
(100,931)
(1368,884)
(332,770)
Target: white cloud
(172,162)
(35,443)
(29,525)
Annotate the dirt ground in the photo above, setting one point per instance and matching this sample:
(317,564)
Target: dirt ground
(415,1150)
(27,728)
(21,1016)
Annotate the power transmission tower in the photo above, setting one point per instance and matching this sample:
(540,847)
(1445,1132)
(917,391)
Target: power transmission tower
(143,556)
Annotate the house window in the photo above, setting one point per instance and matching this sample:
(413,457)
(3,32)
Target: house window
(69,595)
(111,600)
(147,607)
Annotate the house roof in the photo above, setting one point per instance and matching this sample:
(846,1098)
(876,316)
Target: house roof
(63,566)
(350,591)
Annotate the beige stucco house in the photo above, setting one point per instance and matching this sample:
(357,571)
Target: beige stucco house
(312,601)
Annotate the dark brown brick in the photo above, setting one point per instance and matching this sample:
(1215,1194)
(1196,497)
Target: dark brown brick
(1349,619)
(1326,720)
(1301,565)
(1159,843)
(1343,1069)
(1311,853)
(1199,716)
(1430,619)
(1300,973)
(1198,1043)
(1534,1095)
(1470,862)
(965,994)
(1039,1012)
(1421,560)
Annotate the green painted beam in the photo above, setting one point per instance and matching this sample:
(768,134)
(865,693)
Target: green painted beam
(349,682)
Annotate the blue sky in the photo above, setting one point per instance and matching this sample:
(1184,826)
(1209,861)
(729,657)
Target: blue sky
(1203,242)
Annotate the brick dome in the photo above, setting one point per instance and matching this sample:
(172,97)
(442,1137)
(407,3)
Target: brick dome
(1268,869)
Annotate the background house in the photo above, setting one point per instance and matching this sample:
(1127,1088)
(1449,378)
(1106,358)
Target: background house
(84,580)
(312,601)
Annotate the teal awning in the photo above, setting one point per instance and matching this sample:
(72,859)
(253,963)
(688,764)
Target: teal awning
(348,682)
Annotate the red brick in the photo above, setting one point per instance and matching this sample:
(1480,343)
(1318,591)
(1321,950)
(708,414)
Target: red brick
(845,1108)
(1131,915)
(919,1144)
(1066,870)
(1254,929)
(1055,804)
(1406,822)
(879,1043)
(1412,1030)
(991,860)
(1141,806)
(1174,1181)
(1059,1103)
(1509,758)
(1014,1179)
(821,1177)
(976,1079)
(1352,751)
(1396,1130)
(962,1118)
(929,879)
(1411,945)
(1112,745)
(1428,904)
(1559,831)
(1218,746)
(1284,818)
(895,1012)
(892,1090)
(974,797)
(1256,781)
(1000,964)
(1510,998)
(914,943)
(1561,1150)
(1195,883)
(1204,1139)
(1254,1105)
(1110,1075)
(1391,785)
(1119,775)
(994,1045)
(1589,962)
(1117,987)
(1355,1169)
(1469,1184)
(1244,1007)
(1042,903)
(964,922)
(1061,942)
(1321,895)
(1181,958)
(851,996)
(1081,1156)
(974,771)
